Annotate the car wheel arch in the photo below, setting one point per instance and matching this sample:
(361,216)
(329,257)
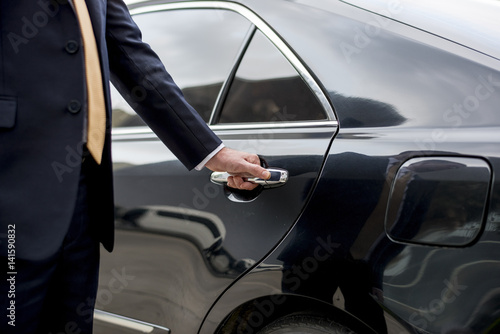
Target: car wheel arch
(253,315)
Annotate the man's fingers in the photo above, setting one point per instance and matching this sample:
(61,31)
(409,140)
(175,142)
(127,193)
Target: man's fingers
(254,159)
(234,182)
(238,182)
(239,165)
(248,186)
(258,171)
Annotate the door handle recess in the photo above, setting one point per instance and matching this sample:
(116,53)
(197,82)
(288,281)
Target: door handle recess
(278,178)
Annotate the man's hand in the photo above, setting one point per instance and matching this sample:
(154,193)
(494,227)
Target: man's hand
(240,165)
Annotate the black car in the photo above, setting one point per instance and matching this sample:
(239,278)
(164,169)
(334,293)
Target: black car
(381,123)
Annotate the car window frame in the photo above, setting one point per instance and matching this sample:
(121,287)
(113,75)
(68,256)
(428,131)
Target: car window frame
(144,132)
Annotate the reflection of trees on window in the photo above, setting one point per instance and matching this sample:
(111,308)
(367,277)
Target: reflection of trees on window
(203,98)
(267,88)
(121,118)
(198,48)
(123,114)
(273,100)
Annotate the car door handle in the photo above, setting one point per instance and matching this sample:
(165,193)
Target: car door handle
(278,178)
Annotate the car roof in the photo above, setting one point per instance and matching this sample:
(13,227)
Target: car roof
(471,23)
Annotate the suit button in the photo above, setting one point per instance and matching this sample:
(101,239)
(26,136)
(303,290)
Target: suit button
(74,106)
(72,46)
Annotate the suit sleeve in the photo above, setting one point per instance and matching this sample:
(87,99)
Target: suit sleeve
(139,75)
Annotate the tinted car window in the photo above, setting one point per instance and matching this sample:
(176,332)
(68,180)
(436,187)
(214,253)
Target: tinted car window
(198,48)
(267,88)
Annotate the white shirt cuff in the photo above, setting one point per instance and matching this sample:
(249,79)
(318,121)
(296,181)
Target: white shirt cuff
(210,156)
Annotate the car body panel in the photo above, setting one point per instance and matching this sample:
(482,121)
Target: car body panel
(162,241)
(449,106)
(401,97)
(154,249)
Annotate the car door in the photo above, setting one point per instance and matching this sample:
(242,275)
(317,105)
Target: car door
(182,239)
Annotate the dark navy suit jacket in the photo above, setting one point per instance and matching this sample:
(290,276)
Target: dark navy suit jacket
(43,112)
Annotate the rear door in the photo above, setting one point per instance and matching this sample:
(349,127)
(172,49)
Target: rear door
(181,239)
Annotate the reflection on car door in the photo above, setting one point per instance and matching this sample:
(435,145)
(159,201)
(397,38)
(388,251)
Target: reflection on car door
(182,240)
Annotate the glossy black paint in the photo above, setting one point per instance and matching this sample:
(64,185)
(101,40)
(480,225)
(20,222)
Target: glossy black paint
(323,243)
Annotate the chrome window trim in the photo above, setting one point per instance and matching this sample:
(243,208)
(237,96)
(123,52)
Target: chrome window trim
(274,126)
(272,36)
(226,86)
(308,129)
(128,323)
(132,130)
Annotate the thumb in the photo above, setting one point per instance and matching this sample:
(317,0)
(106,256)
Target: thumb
(259,171)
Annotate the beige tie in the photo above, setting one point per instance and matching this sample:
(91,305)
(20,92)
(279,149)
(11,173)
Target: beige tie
(95,92)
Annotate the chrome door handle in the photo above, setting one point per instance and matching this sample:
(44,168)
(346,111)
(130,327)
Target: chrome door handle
(278,178)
